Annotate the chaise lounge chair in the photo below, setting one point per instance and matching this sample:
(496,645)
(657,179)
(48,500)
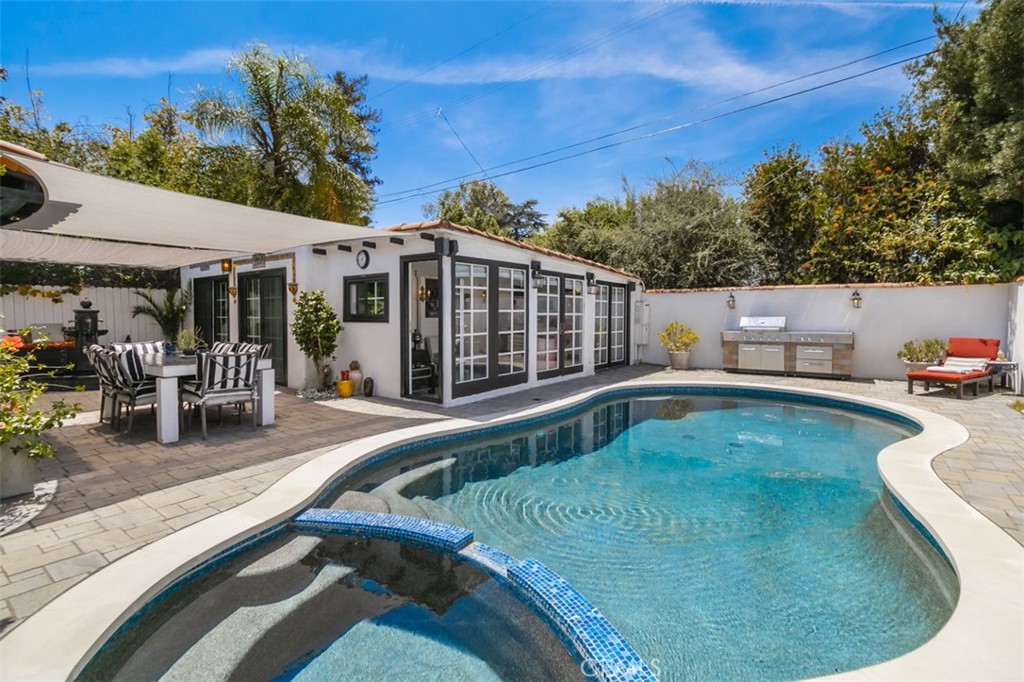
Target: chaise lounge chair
(966,364)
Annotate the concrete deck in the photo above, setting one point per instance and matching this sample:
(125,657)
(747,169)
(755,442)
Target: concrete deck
(113,496)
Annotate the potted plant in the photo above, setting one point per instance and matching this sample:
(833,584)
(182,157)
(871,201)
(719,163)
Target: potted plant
(316,328)
(169,313)
(678,339)
(190,340)
(920,354)
(22,424)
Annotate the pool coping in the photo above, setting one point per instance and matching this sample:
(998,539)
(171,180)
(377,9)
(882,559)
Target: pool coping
(980,640)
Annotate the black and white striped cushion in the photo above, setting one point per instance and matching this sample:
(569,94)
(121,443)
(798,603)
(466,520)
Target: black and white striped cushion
(130,365)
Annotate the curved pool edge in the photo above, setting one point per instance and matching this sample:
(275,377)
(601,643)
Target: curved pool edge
(980,640)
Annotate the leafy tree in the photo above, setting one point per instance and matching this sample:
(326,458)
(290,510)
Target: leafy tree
(970,93)
(589,232)
(888,216)
(298,124)
(779,209)
(316,328)
(685,232)
(356,151)
(483,205)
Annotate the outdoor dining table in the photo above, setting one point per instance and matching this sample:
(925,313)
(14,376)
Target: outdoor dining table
(168,370)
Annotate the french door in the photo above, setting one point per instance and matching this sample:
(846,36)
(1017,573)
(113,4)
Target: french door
(263,316)
(210,308)
(610,325)
(560,317)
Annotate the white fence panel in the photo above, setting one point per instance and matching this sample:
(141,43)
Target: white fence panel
(114,305)
(890,316)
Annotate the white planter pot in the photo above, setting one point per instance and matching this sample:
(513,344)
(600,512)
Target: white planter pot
(18,473)
(915,366)
(679,359)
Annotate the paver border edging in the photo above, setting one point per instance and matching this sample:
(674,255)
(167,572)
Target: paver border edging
(980,640)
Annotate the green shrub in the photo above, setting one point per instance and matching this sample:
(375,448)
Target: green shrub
(316,330)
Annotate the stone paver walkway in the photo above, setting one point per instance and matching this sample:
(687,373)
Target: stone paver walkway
(113,496)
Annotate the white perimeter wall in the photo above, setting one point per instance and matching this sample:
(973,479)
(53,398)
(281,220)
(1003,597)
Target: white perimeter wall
(889,317)
(114,306)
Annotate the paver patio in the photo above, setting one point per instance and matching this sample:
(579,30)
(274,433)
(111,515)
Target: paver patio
(113,496)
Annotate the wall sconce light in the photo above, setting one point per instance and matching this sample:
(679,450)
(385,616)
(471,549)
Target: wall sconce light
(423,293)
(731,302)
(293,288)
(855,299)
(535,273)
(591,284)
(233,291)
(225,265)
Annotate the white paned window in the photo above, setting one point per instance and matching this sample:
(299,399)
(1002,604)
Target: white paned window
(601,308)
(618,324)
(511,321)
(547,324)
(572,333)
(471,332)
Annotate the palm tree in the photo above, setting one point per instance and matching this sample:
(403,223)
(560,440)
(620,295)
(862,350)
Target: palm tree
(298,124)
(169,313)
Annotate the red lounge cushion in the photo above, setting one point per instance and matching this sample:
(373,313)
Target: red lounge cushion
(973,348)
(948,377)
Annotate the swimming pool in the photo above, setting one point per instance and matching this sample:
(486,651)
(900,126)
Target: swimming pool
(726,538)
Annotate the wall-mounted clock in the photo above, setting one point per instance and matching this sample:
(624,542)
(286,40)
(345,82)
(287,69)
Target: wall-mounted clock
(363,259)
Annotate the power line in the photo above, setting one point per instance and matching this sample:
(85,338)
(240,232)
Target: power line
(464,52)
(418,192)
(440,113)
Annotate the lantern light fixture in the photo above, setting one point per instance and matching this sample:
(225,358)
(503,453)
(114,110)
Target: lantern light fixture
(535,274)
(855,299)
(731,301)
(225,265)
(591,284)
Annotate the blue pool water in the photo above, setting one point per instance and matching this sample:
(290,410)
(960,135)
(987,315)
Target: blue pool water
(725,538)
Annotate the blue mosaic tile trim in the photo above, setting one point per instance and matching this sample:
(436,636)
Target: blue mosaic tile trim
(421,532)
(492,560)
(611,396)
(605,652)
(918,526)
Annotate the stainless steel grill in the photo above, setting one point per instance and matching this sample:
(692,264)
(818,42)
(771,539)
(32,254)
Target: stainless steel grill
(762,344)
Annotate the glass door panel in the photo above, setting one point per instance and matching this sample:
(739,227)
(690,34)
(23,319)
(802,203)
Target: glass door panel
(617,320)
(548,309)
(601,309)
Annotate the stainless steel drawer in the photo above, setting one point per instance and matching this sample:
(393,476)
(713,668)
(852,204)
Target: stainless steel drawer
(814,352)
(773,358)
(804,365)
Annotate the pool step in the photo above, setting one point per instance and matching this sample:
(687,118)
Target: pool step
(439,512)
(361,502)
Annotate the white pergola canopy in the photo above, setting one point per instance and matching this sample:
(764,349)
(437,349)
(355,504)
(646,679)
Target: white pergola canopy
(90,219)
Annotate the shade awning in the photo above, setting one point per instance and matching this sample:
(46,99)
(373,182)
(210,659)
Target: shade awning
(84,207)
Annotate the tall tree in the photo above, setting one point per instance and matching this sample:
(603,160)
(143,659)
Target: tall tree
(357,150)
(778,194)
(888,216)
(483,205)
(686,232)
(298,124)
(971,92)
(589,232)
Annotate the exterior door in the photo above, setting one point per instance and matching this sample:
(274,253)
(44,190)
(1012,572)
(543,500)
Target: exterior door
(262,316)
(610,325)
(210,308)
(560,317)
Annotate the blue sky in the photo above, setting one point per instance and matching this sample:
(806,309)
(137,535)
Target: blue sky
(513,79)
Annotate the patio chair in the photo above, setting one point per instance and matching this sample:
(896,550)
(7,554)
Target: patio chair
(134,388)
(423,369)
(103,361)
(966,364)
(227,379)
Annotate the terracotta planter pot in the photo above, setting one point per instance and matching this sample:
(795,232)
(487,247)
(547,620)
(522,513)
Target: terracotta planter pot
(18,474)
(679,359)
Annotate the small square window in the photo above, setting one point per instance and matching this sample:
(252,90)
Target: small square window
(366,298)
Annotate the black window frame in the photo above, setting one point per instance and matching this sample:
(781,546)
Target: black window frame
(348,316)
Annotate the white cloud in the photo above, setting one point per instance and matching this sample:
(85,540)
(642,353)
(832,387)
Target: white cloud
(204,60)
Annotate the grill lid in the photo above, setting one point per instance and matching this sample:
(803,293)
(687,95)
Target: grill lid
(763,323)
